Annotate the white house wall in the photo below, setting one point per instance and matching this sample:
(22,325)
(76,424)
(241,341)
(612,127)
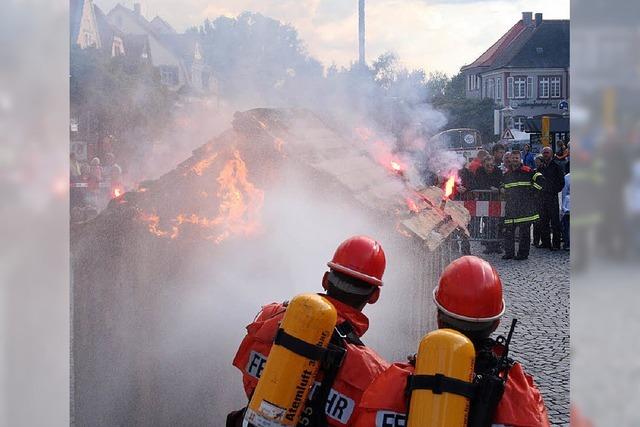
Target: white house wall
(88,32)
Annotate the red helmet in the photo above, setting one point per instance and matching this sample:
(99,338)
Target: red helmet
(360,257)
(470,289)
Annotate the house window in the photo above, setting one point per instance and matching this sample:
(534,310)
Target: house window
(543,87)
(474,82)
(556,87)
(88,40)
(117,48)
(169,75)
(529,87)
(519,87)
(498,88)
(518,123)
(510,87)
(490,89)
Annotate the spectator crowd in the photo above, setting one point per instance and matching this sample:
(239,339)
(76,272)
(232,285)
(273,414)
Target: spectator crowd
(93,184)
(536,192)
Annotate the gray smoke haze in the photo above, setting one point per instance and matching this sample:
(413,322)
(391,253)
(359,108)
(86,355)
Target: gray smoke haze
(192,323)
(257,61)
(302,225)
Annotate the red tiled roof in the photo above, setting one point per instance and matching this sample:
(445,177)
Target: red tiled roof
(487,58)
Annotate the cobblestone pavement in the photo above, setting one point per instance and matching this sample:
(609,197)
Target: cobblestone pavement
(536,292)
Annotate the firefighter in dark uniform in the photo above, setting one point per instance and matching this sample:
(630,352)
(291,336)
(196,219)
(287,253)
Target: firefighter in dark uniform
(550,211)
(521,187)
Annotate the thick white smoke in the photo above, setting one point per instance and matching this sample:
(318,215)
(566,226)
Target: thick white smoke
(201,319)
(302,226)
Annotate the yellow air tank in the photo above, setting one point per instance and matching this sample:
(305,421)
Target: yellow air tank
(293,363)
(441,385)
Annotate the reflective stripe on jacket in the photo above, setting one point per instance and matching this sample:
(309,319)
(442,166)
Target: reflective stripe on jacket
(522,193)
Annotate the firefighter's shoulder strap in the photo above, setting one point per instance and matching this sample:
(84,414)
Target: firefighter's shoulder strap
(347,333)
(343,332)
(439,384)
(298,346)
(314,415)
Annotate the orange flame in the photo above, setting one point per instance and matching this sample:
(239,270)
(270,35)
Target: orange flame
(448,189)
(396,166)
(411,204)
(117,192)
(238,212)
(153,222)
(202,165)
(241,202)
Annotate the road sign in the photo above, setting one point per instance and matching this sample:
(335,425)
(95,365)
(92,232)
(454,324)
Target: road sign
(507,134)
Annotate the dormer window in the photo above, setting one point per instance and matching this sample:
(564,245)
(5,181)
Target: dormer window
(117,48)
(539,50)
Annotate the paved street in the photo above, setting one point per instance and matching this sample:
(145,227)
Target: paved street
(537,294)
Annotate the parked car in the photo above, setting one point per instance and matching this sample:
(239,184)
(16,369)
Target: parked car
(466,141)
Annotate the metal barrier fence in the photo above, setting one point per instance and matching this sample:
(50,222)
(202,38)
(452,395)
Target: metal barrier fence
(487,212)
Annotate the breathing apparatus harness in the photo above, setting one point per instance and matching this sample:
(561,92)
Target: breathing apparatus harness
(490,376)
(330,359)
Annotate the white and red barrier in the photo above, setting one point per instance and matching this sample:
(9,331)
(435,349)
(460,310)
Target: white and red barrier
(485,208)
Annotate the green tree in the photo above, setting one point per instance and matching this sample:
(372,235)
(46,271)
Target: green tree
(436,85)
(122,94)
(258,58)
(460,111)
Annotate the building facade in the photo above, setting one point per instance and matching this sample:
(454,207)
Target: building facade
(527,69)
(178,57)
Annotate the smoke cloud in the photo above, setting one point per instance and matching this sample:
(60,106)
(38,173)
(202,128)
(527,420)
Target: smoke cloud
(169,323)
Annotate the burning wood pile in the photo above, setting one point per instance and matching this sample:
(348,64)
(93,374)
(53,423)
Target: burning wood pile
(216,194)
(143,253)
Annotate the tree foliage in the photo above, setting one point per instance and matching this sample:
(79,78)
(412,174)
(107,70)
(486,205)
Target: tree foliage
(256,56)
(462,112)
(122,94)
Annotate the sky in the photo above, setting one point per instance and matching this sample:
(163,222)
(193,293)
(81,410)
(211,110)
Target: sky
(434,35)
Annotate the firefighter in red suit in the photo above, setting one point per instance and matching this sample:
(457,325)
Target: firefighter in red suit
(469,300)
(354,280)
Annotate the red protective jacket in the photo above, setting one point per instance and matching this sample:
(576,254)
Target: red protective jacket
(384,402)
(359,368)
